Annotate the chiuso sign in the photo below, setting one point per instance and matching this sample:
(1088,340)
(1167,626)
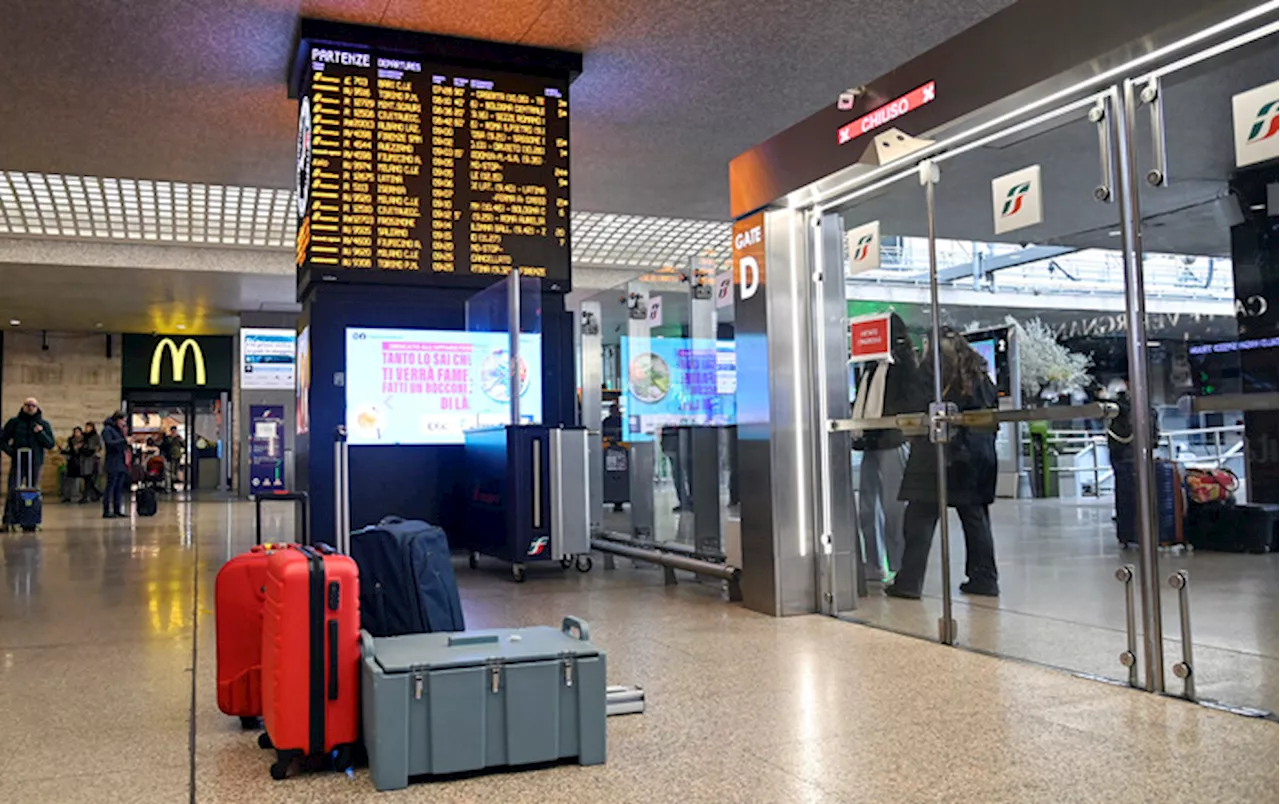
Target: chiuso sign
(177,362)
(883,114)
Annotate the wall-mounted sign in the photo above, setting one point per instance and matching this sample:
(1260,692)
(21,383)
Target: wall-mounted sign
(748,254)
(1255,116)
(864,248)
(176,362)
(267,359)
(869,338)
(877,117)
(1016,199)
(724,289)
(655,311)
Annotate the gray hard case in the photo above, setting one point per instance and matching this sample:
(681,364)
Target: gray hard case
(450,703)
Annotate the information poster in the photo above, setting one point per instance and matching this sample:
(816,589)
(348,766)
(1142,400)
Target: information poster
(302,385)
(431,386)
(267,359)
(266,448)
(677,381)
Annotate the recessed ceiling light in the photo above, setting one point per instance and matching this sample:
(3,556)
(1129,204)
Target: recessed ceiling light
(98,325)
(1113,233)
(13,322)
(182,326)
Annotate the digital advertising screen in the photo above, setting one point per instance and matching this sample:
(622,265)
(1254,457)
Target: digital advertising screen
(302,383)
(409,169)
(676,381)
(267,358)
(418,386)
(987,348)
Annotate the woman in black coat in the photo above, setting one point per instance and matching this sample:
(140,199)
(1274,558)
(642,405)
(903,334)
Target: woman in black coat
(970,475)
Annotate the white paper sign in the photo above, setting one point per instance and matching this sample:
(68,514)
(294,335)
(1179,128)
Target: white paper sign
(1255,116)
(1015,198)
(724,289)
(655,311)
(864,248)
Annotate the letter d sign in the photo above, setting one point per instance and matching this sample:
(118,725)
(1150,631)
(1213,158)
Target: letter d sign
(749,273)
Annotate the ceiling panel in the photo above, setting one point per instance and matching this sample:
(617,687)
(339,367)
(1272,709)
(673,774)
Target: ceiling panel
(194,91)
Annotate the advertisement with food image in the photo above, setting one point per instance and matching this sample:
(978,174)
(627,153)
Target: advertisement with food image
(676,381)
(409,386)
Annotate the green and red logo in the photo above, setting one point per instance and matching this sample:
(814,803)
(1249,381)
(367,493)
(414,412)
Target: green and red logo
(539,545)
(862,248)
(1265,123)
(1013,199)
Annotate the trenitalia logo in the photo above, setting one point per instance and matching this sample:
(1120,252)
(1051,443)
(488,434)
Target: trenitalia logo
(539,545)
(1013,200)
(178,359)
(1266,123)
(862,248)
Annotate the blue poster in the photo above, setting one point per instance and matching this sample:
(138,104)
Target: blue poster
(266,448)
(672,382)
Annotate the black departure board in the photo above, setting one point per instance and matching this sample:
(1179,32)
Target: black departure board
(414,170)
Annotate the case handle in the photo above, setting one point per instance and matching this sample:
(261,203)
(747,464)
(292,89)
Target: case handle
(366,644)
(333,660)
(392,519)
(478,639)
(576,628)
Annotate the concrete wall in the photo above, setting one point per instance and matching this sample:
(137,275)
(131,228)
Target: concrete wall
(74,380)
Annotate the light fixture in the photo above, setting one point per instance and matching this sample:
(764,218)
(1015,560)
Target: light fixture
(98,325)
(181,327)
(13,322)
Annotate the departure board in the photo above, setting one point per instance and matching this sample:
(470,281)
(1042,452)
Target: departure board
(421,171)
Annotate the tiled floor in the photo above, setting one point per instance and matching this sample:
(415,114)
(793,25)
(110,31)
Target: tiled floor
(102,624)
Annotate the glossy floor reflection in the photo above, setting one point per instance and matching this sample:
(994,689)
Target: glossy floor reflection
(1061,605)
(107,694)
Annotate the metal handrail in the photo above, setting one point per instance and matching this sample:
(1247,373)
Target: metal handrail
(918,423)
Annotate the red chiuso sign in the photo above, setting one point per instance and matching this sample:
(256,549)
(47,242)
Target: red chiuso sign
(881,115)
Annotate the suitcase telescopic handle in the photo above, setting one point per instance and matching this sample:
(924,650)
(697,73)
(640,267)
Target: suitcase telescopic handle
(576,628)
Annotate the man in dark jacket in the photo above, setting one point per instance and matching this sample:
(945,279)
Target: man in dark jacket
(27,430)
(116,444)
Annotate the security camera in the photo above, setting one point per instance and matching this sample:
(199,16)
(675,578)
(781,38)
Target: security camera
(849,97)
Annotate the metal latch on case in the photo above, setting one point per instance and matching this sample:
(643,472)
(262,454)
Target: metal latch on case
(417,687)
(495,678)
(568,672)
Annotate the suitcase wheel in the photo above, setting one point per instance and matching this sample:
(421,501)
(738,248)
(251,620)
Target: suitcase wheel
(517,572)
(264,741)
(473,560)
(248,723)
(584,563)
(280,769)
(342,759)
(566,562)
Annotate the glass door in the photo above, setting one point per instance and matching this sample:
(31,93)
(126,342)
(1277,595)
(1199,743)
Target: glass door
(879,245)
(1205,135)
(1030,301)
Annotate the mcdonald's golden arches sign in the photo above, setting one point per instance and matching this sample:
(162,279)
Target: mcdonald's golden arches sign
(177,362)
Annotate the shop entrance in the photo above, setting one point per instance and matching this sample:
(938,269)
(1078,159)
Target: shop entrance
(1023,346)
(195,464)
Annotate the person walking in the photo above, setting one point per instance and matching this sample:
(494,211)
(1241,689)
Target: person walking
(970,473)
(71,469)
(116,444)
(91,464)
(27,430)
(885,388)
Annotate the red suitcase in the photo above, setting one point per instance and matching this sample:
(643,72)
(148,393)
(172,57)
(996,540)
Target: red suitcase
(311,657)
(238,595)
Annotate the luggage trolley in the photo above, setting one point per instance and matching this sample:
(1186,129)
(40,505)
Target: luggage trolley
(529,496)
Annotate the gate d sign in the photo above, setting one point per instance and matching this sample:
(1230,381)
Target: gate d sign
(748,254)
(178,360)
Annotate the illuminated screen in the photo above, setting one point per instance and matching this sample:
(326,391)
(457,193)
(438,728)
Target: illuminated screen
(676,381)
(420,386)
(302,383)
(987,348)
(424,171)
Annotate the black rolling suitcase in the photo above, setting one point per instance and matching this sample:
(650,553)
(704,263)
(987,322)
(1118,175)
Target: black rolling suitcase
(24,507)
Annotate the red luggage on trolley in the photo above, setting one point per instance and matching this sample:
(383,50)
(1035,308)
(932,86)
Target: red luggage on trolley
(238,595)
(311,657)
